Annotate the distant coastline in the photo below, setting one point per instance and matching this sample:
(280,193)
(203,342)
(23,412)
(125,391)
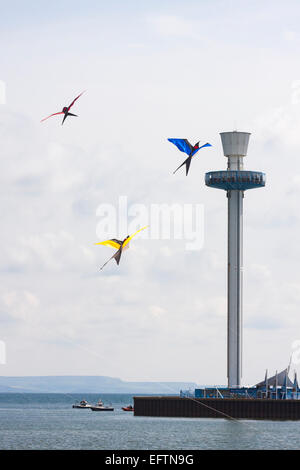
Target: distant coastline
(87,384)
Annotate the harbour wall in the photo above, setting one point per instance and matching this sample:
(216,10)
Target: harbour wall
(234,408)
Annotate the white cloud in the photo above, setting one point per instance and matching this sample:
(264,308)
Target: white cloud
(168,25)
(291,35)
(49,252)
(156,311)
(19,305)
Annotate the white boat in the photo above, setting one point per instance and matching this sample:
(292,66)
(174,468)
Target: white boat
(82,404)
(101,407)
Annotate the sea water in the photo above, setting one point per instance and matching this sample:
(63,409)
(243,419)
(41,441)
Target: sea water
(48,421)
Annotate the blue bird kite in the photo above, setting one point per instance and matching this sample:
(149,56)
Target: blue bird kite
(184,146)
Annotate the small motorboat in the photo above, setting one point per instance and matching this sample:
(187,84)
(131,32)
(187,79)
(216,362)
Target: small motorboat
(128,408)
(82,404)
(101,407)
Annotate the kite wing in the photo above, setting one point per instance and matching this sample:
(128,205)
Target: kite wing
(182,144)
(202,146)
(205,145)
(131,236)
(75,100)
(54,114)
(113,243)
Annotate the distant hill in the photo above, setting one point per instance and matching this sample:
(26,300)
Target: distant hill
(88,384)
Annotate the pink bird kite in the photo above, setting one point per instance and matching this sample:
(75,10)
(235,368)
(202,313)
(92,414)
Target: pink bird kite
(65,111)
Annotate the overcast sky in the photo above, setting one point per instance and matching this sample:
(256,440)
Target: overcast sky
(152,70)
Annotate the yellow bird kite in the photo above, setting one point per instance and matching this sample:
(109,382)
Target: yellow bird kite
(119,245)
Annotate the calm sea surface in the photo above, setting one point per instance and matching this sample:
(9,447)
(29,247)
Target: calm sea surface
(48,421)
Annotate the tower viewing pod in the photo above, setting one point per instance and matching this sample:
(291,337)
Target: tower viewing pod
(235,181)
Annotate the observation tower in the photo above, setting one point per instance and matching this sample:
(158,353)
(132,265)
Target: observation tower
(235,181)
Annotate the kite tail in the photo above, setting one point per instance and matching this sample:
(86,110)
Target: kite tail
(68,114)
(117,256)
(187,163)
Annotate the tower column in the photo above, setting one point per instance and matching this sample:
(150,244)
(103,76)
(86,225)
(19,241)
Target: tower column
(235,287)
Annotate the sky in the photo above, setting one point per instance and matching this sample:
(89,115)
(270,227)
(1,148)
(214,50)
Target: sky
(151,70)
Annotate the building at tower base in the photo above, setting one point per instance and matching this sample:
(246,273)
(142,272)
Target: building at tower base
(278,387)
